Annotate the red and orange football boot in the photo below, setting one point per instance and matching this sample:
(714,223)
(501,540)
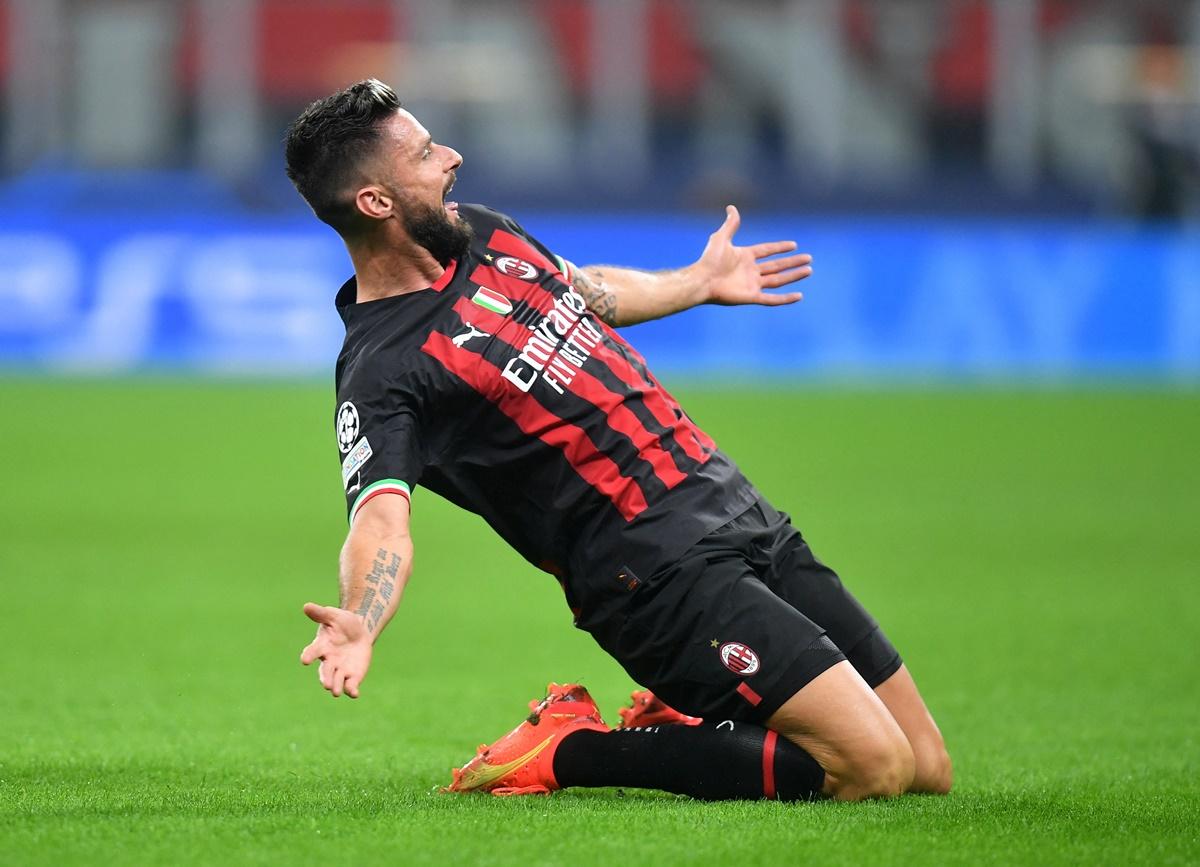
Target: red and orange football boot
(649,710)
(522,762)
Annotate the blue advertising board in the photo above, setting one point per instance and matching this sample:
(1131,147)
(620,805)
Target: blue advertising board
(240,294)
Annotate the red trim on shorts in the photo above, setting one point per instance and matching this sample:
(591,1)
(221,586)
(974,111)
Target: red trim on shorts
(769,764)
(749,695)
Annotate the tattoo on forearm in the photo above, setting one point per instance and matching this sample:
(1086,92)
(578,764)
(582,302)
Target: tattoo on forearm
(599,298)
(382,578)
(365,605)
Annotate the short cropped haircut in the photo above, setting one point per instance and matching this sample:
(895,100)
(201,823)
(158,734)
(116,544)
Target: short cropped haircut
(328,142)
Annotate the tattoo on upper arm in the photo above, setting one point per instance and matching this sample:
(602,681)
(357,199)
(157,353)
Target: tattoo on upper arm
(382,580)
(599,298)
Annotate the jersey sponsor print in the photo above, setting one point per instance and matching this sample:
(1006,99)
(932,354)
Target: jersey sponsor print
(499,389)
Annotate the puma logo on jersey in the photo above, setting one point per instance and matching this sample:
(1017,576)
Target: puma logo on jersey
(461,339)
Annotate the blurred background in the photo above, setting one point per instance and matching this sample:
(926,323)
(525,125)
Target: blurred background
(981,413)
(990,187)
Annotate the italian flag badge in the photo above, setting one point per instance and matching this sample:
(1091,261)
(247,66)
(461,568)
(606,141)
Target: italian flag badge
(490,299)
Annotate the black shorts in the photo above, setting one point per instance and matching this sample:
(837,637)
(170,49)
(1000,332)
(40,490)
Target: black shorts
(742,621)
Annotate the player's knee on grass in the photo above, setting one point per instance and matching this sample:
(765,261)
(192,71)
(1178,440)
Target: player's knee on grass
(845,726)
(934,774)
(882,767)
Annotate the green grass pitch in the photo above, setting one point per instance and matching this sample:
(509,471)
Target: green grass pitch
(1034,554)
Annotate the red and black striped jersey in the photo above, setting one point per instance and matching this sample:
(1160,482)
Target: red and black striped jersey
(499,390)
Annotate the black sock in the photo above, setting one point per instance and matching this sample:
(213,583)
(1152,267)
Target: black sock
(720,761)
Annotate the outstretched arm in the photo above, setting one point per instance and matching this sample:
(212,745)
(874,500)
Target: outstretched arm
(375,565)
(724,274)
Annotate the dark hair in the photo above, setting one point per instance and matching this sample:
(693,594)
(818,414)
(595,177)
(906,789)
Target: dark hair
(327,143)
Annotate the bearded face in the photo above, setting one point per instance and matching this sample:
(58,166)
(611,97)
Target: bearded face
(432,229)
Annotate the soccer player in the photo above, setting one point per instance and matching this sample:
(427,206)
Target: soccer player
(482,366)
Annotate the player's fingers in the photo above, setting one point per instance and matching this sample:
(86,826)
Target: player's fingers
(313,651)
(774,281)
(352,683)
(316,613)
(768,300)
(325,673)
(732,220)
(771,248)
(335,685)
(774,266)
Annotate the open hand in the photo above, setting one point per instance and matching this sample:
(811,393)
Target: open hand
(739,275)
(343,646)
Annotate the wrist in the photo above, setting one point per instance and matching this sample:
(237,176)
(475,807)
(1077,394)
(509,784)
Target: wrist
(361,631)
(697,281)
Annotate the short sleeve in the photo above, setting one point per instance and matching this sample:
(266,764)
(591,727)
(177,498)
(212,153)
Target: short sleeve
(382,443)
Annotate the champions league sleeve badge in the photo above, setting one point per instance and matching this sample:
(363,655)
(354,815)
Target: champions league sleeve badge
(346,426)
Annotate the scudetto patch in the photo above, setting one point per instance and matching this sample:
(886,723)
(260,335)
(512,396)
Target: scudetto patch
(511,266)
(739,658)
(358,456)
(346,426)
(490,299)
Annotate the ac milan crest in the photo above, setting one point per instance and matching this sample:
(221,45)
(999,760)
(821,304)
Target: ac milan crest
(739,658)
(513,267)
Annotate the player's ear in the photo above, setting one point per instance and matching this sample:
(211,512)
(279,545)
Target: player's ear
(374,202)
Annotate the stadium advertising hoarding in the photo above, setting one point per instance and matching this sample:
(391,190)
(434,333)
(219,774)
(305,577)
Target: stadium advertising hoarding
(249,295)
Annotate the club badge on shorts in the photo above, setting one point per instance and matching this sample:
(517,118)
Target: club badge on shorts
(739,658)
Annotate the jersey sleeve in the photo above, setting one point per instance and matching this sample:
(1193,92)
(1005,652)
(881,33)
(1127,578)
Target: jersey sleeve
(383,445)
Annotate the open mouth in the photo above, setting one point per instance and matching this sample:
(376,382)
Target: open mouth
(451,207)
